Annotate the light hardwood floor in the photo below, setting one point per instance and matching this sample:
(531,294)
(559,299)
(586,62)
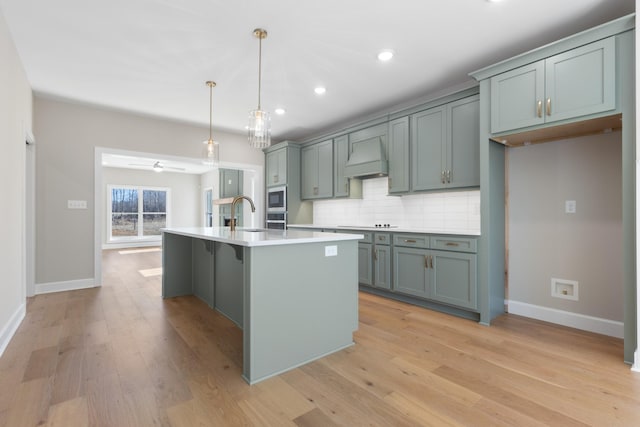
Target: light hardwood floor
(121,356)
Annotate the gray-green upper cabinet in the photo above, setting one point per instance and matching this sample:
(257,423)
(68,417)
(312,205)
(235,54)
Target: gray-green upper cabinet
(445,146)
(340,157)
(399,155)
(428,135)
(569,85)
(317,170)
(462,166)
(231,183)
(276,164)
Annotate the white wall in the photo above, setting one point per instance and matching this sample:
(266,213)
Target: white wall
(68,134)
(456,211)
(184,199)
(545,242)
(15,119)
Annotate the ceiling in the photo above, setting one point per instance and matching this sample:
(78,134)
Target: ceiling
(154,56)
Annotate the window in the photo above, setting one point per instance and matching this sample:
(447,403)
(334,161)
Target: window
(137,212)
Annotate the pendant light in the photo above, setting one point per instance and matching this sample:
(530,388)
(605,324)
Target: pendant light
(259,120)
(211,153)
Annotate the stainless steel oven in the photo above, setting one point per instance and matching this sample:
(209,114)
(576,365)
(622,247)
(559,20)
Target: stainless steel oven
(277,199)
(277,221)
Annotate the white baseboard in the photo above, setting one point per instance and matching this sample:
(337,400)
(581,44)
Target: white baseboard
(69,285)
(636,361)
(566,318)
(11,327)
(124,245)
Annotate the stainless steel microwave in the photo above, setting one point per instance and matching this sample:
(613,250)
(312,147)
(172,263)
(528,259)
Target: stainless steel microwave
(277,199)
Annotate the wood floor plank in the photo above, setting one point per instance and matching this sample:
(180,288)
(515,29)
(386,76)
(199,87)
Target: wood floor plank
(120,355)
(71,413)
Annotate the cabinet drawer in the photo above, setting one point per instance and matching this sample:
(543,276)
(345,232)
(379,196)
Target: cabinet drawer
(382,239)
(457,244)
(411,240)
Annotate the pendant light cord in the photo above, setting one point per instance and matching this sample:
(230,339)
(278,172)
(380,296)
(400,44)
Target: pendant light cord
(259,69)
(210,111)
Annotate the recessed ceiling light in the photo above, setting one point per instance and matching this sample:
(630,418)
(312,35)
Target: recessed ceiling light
(385,55)
(280,111)
(320,90)
(494,1)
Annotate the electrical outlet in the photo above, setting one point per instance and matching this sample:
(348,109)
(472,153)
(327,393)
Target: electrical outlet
(331,250)
(570,206)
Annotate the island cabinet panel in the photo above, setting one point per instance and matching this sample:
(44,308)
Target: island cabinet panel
(317,170)
(229,262)
(566,86)
(454,278)
(176,252)
(276,167)
(399,168)
(203,270)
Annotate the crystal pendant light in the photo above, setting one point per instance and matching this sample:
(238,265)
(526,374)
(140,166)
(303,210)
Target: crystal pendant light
(259,120)
(211,153)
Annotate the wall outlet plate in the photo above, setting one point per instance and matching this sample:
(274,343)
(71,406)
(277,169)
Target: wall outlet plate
(565,289)
(76,204)
(331,250)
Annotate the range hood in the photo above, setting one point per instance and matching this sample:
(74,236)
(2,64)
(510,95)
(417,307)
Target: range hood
(367,160)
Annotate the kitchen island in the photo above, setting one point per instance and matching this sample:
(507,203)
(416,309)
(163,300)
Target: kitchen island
(293,293)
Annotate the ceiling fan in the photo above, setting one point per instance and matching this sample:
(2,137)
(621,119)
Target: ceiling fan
(157,166)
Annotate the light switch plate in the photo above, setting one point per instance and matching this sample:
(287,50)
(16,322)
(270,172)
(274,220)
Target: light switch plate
(331,250)
(570,206)
(76,204)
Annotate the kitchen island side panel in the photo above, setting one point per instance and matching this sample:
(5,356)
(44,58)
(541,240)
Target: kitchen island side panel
(177,271)
(300,305)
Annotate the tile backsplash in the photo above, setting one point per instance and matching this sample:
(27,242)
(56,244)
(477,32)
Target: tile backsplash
(453,211)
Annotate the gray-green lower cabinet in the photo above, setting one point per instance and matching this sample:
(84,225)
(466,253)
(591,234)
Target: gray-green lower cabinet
(382,266)
(454,278)
(442,276)
(411,271)
(364,264)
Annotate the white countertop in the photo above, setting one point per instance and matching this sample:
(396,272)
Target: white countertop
(386,229)
(242,237)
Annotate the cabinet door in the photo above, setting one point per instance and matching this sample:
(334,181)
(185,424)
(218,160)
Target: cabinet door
(230,183)
(276,167)
(399,155)
(410,271)
(517,98)
(428,135)
(340,157)
(364,264)
(309,176)
(463,148)
(581,81)
(325,169)
(382,266)
(454,278)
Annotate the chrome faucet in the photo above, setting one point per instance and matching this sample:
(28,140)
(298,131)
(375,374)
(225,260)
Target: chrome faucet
(236,199)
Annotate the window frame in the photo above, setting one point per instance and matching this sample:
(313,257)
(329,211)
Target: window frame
(140,237)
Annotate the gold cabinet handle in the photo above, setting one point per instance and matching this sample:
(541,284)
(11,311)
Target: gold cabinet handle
(539,109)
(375,254)
(452,244)
(275,178)
(442,179)
(449,176)
(548,106)
(426,261)
(431,260)
(409,241)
